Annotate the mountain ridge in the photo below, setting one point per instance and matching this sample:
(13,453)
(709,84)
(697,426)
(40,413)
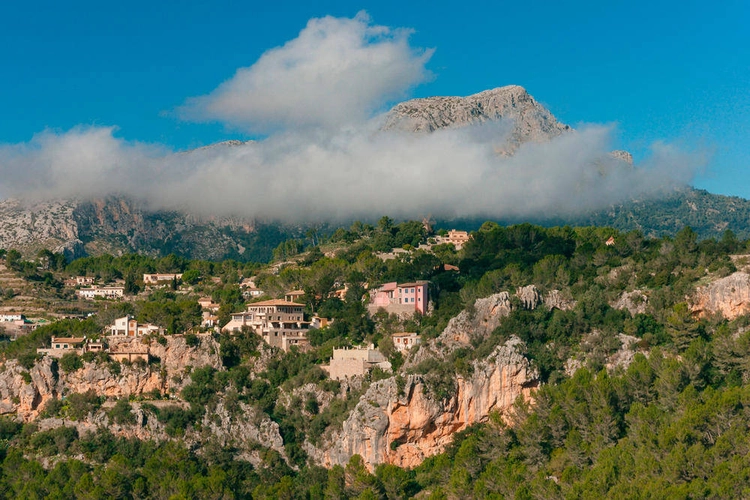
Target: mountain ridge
(115,224)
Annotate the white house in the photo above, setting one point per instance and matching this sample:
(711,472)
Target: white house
(129,327)
(107,292)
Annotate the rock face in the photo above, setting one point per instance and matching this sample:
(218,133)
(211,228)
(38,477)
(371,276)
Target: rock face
(478,321)
(729,296)
(531,121)
(529,296)
(116,225)
(404,425)
(555,299)
(636,302)
(37,225)
(26,398)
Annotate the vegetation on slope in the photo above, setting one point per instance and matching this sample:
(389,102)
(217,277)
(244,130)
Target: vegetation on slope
(671,424)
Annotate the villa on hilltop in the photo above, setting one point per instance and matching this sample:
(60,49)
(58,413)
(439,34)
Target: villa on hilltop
(402,299)
(457,238)
(279,323)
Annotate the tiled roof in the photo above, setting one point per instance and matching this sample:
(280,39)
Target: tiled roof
(275,302)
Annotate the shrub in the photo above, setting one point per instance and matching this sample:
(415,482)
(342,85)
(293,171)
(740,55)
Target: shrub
(122,413)
(27,360)
(80,405)
(70,362)
(52,408)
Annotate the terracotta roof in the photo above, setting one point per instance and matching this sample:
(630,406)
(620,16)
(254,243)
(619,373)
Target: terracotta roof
(417,283)
(275,302)
(69,340)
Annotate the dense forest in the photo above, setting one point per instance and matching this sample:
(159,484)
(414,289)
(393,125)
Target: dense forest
(670,423)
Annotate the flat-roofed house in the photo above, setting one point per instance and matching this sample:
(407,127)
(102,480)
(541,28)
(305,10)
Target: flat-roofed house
(60,346)
(127,326)
(354,362)
(12,317)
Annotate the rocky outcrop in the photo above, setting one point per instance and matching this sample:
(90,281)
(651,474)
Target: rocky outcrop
(397,421)
(24,393)
(475,322)
(636,302)
(529,296)
(37,225)
(613,352)
(555,299)
(529,120)
(117,225)
(729,296)
(242,428)
(623,156)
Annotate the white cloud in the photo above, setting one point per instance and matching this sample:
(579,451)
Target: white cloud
(336,72)
(328,159)
(353,174)
(85,161)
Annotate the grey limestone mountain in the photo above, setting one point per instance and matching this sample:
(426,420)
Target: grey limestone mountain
(530,120)
(118,225)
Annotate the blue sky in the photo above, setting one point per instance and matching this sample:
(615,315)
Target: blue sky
(677,72)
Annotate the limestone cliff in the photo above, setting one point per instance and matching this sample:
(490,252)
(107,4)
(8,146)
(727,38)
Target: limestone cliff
(729,296)
(24,393)
(477,321)
(242,428)
(403,425)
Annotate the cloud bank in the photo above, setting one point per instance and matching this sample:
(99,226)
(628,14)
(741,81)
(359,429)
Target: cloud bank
(335,73)
(327,159)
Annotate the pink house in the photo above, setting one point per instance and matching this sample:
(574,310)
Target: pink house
(408,294)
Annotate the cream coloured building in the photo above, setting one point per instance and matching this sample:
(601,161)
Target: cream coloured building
(278,322)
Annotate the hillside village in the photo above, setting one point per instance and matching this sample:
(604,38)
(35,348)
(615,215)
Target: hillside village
(378,348)
(282,322)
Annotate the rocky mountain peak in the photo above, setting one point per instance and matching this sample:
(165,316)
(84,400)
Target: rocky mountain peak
(531,121)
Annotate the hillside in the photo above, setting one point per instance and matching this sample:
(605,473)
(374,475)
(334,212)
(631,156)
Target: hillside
(549,358)
(709,215)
